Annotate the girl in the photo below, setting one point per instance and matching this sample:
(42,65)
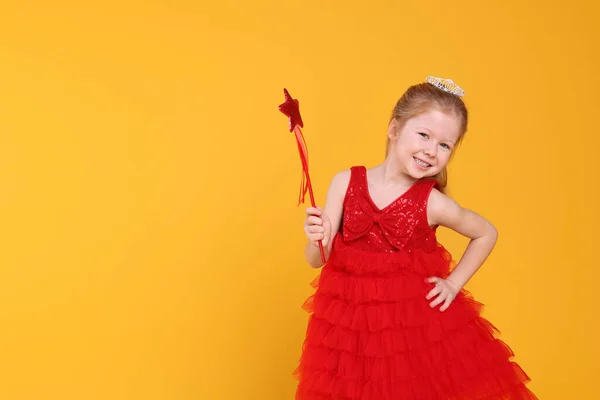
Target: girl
(390,318)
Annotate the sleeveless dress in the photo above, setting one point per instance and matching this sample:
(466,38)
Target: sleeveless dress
(373,336)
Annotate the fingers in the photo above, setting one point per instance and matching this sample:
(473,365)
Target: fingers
(317,230)
(433,292)
(436,290)
(442,291)
(314,211)
(446,304)
(314,226)
(314,237)
(438,300)
(312,220)
(312,229)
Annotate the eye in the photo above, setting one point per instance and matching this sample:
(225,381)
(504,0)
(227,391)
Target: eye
(424,135)
(444,145)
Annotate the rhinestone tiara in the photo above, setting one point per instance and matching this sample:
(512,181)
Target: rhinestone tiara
(446,85)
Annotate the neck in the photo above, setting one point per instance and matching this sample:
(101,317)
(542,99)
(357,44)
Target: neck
(390,172)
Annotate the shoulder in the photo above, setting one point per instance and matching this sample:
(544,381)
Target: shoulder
(441,209)
(337,192)
(341,180)
(439,199)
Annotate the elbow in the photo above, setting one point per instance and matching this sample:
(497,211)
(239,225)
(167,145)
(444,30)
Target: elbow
(316,265)
(492,233)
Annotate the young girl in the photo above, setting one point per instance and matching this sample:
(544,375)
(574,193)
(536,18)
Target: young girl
(390,318)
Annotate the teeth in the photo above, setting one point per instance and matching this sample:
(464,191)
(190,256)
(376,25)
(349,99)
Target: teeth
(421,163)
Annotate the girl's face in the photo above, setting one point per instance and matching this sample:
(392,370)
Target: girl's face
(423,146)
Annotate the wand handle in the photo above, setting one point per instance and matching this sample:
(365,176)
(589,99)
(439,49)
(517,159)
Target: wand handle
(308,184)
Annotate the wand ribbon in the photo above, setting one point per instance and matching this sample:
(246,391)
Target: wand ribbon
(291,108)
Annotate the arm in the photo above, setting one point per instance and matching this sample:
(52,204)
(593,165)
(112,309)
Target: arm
(328,220)
(444,211)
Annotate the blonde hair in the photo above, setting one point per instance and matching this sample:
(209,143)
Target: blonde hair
(421,98)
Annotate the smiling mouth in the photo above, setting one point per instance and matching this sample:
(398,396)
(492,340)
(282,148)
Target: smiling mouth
(422,163)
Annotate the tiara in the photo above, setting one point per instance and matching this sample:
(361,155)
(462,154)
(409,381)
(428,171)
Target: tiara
(446,85)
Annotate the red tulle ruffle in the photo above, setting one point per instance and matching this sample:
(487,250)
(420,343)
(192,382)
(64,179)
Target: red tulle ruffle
(373,336)
(360,262)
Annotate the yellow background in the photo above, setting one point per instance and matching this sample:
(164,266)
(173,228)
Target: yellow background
(150,243)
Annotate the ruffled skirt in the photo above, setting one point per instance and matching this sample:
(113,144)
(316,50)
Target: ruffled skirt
(372,335)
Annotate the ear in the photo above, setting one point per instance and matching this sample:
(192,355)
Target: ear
(393,129)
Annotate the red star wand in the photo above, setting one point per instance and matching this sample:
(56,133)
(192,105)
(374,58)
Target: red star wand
(291,108)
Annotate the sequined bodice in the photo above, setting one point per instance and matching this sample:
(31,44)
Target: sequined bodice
(400,226)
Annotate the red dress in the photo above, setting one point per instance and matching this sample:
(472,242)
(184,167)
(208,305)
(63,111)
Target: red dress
(371,333)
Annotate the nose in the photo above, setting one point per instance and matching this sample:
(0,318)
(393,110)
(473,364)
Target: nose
(430,152)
